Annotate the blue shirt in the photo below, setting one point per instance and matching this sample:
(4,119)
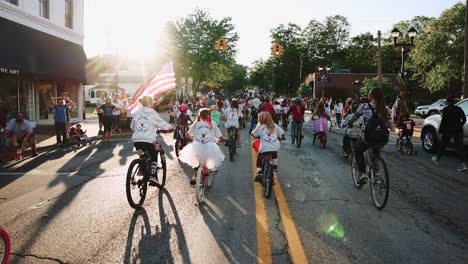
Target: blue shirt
(60,113)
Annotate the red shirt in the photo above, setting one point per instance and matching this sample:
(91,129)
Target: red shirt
(407,127)
(297,112)
(267,107)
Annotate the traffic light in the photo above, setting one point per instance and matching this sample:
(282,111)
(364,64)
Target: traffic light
(222,44)
(276,50)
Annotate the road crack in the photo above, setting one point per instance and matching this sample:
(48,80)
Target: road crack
(38,257)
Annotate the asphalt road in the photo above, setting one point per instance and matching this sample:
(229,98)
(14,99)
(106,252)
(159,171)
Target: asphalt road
(69,206)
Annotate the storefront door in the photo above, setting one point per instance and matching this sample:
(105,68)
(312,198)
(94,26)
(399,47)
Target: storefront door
(45,111)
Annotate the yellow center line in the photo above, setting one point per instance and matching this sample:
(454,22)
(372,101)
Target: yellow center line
(294,241)
(263,237)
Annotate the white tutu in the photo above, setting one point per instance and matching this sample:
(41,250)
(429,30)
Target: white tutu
(196,154)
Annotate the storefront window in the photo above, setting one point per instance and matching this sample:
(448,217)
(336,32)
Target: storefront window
(26,92)
(46,92)
(8,97)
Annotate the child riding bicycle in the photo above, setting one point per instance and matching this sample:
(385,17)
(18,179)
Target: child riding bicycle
(268,133)
(203,149)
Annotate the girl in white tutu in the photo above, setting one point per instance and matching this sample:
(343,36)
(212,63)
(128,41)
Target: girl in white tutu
(203,149)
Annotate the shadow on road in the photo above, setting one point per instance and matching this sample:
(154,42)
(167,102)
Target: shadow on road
(156,248)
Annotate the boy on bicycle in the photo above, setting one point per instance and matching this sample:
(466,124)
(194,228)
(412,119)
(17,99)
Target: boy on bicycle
(406,126)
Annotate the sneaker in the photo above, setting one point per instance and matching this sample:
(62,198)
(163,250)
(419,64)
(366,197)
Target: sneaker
(239,146)
(258,178)
(462,167)
(34,154)
(363,179)
(153,180)
(100,132)
(193,180)
(435,160)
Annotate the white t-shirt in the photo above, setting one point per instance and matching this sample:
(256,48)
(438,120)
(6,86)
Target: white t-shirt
(119,104)
(277,108)
(100,102)
(232,117)
(201,131)
(256,102)
(268,141)
(339,108)
(285,109)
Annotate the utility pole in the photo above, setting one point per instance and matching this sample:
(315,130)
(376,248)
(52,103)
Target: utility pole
(379,67)
(465,86)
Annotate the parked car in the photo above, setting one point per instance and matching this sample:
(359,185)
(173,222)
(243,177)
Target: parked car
(430,136)
(432,109)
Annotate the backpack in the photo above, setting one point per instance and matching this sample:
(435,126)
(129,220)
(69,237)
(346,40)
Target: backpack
(376,131)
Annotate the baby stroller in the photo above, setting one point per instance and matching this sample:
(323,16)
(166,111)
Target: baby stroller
(77,137)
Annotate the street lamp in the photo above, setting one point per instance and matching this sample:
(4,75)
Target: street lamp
(356,85)
(324,76)
(405,47)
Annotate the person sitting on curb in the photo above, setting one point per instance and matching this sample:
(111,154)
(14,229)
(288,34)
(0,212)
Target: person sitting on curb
(23,130)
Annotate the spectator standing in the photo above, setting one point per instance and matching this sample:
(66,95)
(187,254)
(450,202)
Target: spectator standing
(451,126)
(107,109)
(210,101)
(338,112)
(60,121)
(100,101)
(116,115)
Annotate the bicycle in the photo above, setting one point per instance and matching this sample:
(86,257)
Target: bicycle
(296,133)
(5,246)
(181,141)
(284,122)
(267,171)
(232,143)
(404,145)
(138,175)
(205,179)
(379,186)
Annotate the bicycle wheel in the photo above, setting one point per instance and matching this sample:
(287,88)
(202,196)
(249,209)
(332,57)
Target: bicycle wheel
(409,148)
(5,246)
(379,186)
(232,147)
(200,185)
(267,178)
(293,133)
(210,179)
(161,169)
(298,136)
(323,140)
(178,146)
(355,172)
(398,144)
(136,185)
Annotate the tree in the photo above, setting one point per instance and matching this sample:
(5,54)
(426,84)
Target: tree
(195,37)
(437,59)
(389,88)
(304,90)
(361,54)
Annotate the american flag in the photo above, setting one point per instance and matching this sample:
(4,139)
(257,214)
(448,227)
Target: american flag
(158,83)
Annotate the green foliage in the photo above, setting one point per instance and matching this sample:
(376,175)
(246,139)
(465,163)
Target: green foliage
(191,41)
(388,87)
(437,59)
(304,90)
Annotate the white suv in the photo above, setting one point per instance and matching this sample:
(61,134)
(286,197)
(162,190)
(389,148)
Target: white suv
(433,109)
(430,136)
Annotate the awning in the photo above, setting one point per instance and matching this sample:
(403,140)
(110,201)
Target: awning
(29,52)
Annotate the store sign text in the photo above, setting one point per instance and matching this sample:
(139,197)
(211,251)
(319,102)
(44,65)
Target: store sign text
(9,71)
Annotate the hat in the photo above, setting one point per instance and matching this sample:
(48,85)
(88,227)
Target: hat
(183,108)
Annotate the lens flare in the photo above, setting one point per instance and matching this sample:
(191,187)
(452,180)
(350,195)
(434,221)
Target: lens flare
(329,224)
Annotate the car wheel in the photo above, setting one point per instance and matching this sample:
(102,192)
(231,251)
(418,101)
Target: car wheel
(432,112)
(429,140)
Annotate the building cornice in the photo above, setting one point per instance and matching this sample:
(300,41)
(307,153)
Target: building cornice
(13,13)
